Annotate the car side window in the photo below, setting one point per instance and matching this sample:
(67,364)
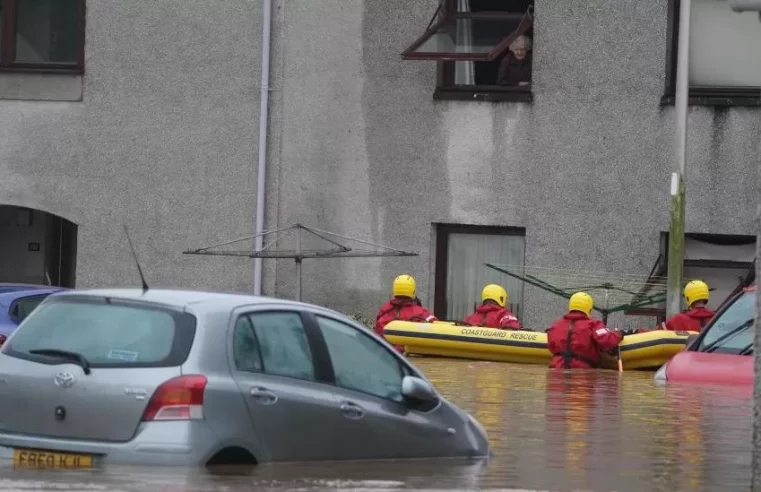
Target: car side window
(283,344)
(360,363)
(246,352)
(24,306)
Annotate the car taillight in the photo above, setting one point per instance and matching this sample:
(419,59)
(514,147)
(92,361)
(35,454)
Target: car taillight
(3,338)
(179,398)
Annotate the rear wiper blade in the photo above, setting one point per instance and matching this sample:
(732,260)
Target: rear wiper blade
(76,356)
(711,347)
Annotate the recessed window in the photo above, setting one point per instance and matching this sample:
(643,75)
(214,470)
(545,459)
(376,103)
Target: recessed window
(42,35)
(484,49)
(724,62)
(461,273)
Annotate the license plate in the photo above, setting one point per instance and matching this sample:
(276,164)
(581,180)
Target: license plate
(30,458)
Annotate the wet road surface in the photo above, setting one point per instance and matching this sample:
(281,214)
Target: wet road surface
(596,431)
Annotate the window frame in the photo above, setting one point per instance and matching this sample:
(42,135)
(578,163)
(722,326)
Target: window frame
(443,231)
(448,17)
(403,368)
(322,371)
(8,44)
(407,369)
(323,364)
(445,89)
(708,96)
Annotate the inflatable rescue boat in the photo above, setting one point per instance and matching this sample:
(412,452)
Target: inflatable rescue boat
(647,350)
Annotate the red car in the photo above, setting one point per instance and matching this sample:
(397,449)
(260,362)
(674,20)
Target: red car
(723,352)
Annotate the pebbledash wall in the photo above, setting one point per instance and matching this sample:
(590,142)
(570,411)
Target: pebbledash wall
(158,134)
(361,147)
(162,136)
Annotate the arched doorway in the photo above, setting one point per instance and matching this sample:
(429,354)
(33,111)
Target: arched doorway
(37,247)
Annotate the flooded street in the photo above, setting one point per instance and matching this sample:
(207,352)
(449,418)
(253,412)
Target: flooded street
(598,431)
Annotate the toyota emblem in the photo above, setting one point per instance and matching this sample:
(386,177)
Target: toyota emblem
(64,379)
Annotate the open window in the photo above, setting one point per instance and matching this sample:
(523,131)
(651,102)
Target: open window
(483,48)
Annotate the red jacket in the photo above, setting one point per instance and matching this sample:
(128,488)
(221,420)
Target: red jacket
(401,308)
(580,349)
(493,316)
(694,319)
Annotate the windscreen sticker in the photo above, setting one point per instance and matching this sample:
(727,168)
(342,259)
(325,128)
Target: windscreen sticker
(124,355)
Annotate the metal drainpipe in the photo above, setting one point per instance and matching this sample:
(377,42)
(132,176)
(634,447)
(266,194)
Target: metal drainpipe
(261,182)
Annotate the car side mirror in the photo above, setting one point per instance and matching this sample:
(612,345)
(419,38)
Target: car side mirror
(417,389)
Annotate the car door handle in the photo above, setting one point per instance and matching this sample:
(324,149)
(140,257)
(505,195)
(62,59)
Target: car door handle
(351,410)
(263,395)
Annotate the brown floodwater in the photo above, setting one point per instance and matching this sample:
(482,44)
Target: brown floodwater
(549,430)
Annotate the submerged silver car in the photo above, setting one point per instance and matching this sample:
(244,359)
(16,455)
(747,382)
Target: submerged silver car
(170,377)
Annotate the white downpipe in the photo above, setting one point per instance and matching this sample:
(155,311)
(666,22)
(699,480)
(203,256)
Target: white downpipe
(261,182)
(682,83)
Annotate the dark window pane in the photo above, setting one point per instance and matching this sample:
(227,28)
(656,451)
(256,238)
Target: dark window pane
(518,6)
(47,31)
(2,22)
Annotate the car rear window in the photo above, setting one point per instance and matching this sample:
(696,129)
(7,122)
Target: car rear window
(108,333)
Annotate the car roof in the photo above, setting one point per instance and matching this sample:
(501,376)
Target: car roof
(8,296)
(14,287)
(181,299)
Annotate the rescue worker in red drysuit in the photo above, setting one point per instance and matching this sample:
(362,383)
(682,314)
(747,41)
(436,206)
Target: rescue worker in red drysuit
(697,315)
(576,340)
(404,306)
(492,313)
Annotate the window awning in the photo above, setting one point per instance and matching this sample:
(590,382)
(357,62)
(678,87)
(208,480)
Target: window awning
(482,36)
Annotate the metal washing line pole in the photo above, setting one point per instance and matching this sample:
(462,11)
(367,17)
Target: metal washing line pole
(298,254)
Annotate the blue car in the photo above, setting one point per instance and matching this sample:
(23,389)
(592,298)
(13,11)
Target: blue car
(17,301)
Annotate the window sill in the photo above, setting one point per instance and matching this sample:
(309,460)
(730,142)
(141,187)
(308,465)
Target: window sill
(482,94)
(42,69)
(40,85)
(719,98)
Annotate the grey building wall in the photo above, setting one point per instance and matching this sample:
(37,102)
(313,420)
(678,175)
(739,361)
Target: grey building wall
(160,134)
(361,148)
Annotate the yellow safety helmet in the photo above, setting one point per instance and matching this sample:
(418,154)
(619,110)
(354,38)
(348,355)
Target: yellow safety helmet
(697,290)
(496,293)
(404,286)
(581,301)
